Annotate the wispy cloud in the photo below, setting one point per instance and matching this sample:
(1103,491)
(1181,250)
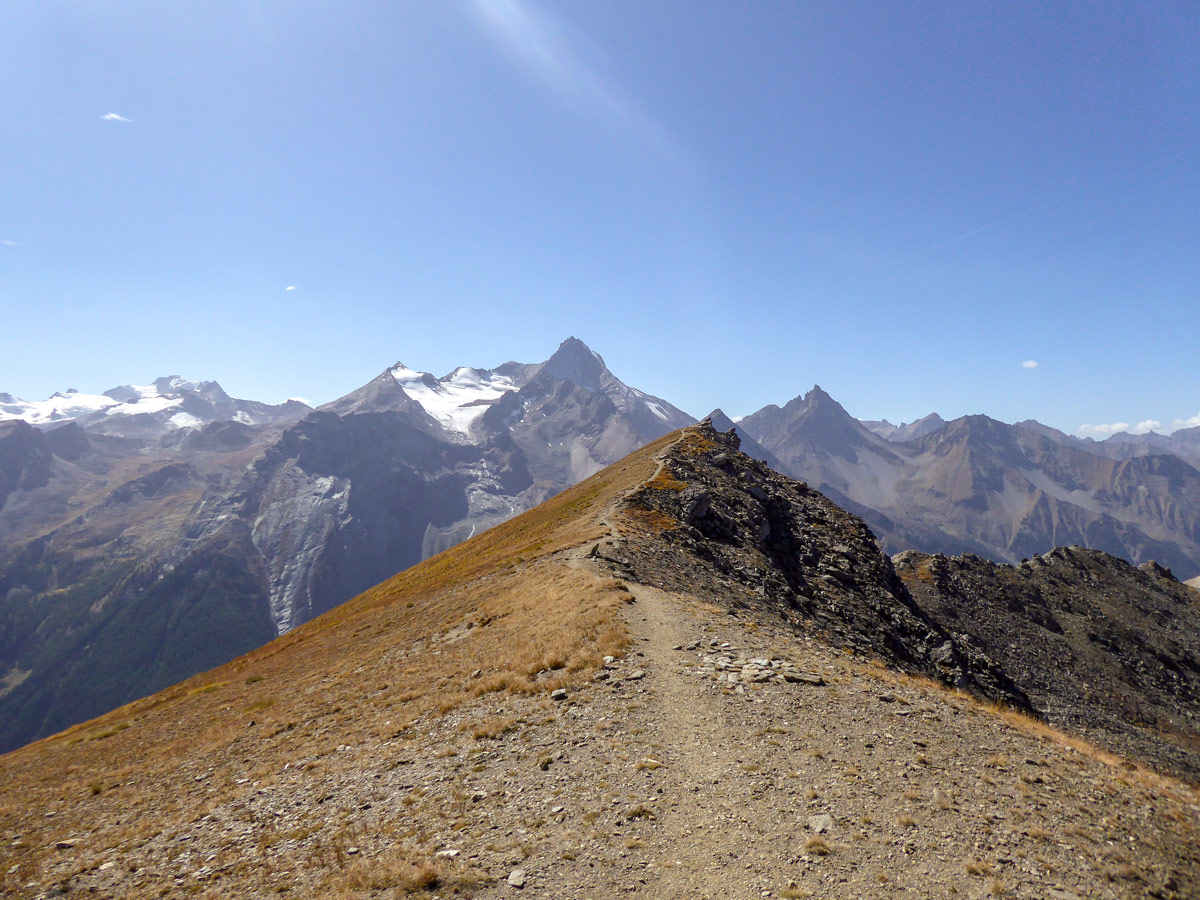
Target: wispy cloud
(538,44)
(290,287)
(1029,364)
(1144,427)
(1103,431)
(114,117)
(1191,422)
(303,400)
(9,243)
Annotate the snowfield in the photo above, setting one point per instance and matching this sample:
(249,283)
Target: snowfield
(457,400)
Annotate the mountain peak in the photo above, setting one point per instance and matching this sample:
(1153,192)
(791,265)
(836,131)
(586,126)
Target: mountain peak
(578,363)
(820,402)
(718,419)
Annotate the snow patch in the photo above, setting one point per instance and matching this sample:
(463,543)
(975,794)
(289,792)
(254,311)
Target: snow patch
(457,400)
(656,409)
(58,408)
(147,403)
(184,420)
(126,400)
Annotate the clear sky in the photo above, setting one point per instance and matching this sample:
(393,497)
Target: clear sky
(907,203)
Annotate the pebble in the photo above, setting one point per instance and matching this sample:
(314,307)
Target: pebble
(516,878)
(560,694)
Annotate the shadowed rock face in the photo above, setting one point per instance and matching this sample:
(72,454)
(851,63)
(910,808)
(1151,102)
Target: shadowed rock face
(751,537)
(1102,647)
(24,459)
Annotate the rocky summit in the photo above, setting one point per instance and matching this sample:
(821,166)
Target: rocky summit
(758,539)
(685,676)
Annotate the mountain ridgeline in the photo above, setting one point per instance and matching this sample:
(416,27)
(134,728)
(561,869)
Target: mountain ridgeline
(686,676)
(133,560)
(154,531)
(976,485)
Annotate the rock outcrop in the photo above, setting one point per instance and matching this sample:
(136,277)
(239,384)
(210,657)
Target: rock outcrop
(727,526)
(1103,648)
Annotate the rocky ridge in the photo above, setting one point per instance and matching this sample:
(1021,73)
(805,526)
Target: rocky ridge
(759,540)
(1103,648)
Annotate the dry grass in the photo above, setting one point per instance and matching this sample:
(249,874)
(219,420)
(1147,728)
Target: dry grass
(365,673)
(401,869)
(817,846)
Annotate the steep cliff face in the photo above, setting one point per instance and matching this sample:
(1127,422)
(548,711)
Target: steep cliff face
(25,459)
(340,503)
(1102,647)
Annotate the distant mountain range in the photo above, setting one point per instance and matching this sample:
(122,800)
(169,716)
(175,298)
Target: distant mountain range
(1006,492)
(154,531)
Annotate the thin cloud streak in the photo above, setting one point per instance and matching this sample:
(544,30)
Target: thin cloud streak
(536,43)
(1144,427)
(1103,431)
(1058,198)
(1029,364)
(114,117)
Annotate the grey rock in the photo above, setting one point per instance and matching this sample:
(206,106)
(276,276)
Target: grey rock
(803,678)
(820,824)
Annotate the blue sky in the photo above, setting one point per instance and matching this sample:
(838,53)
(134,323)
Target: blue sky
(730,201)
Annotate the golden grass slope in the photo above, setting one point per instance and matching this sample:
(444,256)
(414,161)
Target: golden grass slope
(401,653)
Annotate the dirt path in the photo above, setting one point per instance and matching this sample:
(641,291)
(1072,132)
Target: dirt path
(705,823)
(719,832)
(863,785)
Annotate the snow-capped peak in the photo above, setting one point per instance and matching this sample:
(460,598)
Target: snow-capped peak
(183,403)
(59,407)
(127,399)
(457,400)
